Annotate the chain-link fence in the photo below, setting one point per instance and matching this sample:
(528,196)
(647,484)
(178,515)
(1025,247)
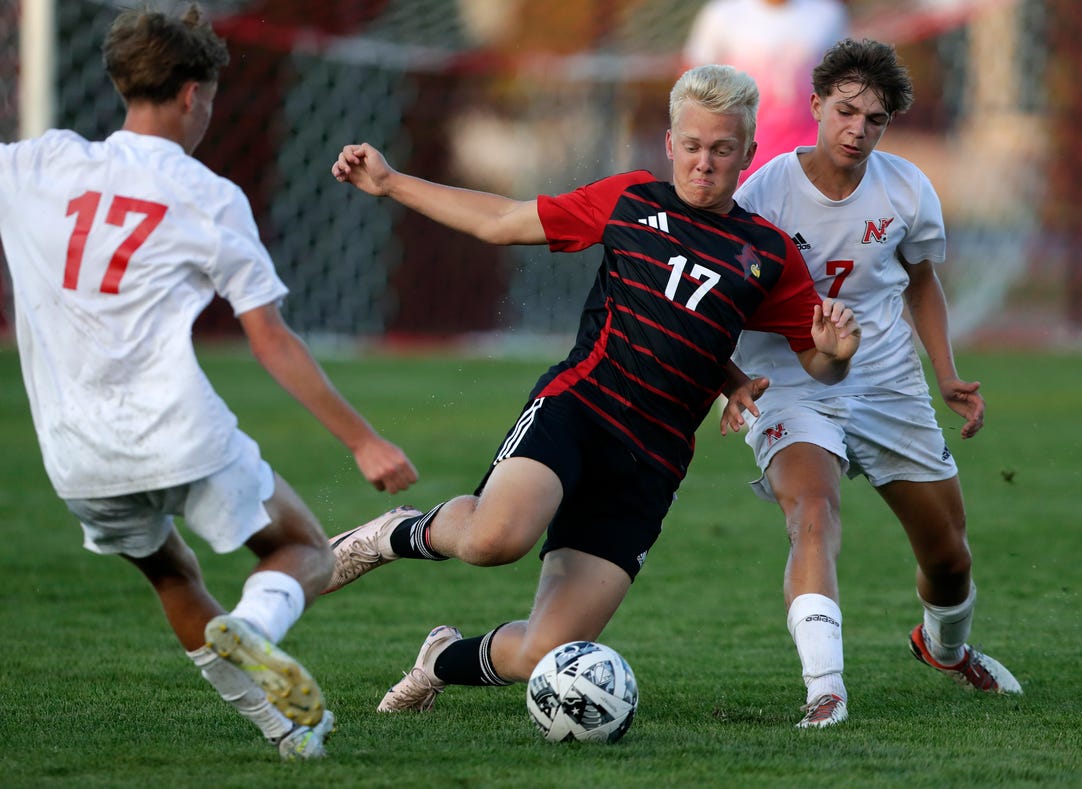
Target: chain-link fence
(537,96)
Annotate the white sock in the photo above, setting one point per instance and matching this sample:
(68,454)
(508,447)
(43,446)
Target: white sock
(946,628)
(272,601)
(241,691)
(815,623)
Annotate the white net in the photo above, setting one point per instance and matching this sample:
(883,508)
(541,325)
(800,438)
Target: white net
(538,96)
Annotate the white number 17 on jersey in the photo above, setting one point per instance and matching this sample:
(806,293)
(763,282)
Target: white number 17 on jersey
(705,276)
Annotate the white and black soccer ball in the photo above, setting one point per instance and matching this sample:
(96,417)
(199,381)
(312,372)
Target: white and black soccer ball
(582,691)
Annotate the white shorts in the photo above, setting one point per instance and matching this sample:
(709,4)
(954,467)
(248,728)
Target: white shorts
(884,436)
(225,509)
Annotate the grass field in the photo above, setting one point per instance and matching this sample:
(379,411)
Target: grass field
(94,691)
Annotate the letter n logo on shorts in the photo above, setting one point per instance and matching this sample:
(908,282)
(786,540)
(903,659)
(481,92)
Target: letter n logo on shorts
(775,433)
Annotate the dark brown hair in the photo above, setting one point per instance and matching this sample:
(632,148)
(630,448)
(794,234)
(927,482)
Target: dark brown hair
(872,64)
(149,55)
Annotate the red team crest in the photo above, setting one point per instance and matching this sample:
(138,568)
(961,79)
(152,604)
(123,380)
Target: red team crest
(775,433)
(876,231)
(749,261)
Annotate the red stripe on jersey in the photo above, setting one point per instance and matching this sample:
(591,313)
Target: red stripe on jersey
(580,372)
(630,436)
(667,332)
(674,371)
(640,227)
(789,310)
(713,293)
(647,386)
(720,262)
(614,395)
(717,231)
(645,201)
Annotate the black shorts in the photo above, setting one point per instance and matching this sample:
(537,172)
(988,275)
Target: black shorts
(613,501)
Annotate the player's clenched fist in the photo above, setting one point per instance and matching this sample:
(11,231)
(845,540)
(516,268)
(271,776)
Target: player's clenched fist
(364,167)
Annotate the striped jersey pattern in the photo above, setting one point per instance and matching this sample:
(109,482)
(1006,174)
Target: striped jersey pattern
(675,287)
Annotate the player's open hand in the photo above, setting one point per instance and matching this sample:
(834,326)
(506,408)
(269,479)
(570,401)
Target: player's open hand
(385,465)
(364,167)
(964,399)
(741,399)
(835,330)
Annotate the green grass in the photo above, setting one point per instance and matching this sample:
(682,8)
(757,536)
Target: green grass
(95,692)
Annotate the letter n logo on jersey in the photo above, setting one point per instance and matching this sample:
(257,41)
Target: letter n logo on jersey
(874,231)
(775,433)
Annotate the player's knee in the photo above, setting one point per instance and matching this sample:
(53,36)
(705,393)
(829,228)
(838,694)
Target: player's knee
(291,522)
(187,565)
(489,542)
(307,540)
(812,519)
(950,566)
(490,548)
(322,564)
(942,550)
(175,563)
(530,655)
(536,645)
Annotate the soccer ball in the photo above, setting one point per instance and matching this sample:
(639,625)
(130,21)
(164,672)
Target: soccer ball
(582,691)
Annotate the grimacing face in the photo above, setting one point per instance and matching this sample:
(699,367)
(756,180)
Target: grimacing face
(708,151)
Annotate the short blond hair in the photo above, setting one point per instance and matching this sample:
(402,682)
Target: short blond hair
(719,89)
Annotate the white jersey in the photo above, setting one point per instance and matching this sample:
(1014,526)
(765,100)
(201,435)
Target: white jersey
(852,249)
(114,249)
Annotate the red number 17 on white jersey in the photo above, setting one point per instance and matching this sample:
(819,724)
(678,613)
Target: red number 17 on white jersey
(85,208)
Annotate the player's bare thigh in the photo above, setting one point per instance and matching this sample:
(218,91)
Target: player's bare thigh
(576,597)
(803,471)
(933,515)
(518,502)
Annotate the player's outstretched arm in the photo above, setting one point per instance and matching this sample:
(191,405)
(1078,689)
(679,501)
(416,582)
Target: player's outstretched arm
(928,308)
(285,356)
(489,217)
(836,334)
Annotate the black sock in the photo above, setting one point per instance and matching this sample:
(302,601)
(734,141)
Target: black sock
(469,662)
(410,537)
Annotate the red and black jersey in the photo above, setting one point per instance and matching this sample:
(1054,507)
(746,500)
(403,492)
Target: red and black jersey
(675,288)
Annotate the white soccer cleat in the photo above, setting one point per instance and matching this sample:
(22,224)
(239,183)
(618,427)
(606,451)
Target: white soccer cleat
(286,682)
(827,710)
(306,742)
(976,670)
(418,688)
(365,547)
